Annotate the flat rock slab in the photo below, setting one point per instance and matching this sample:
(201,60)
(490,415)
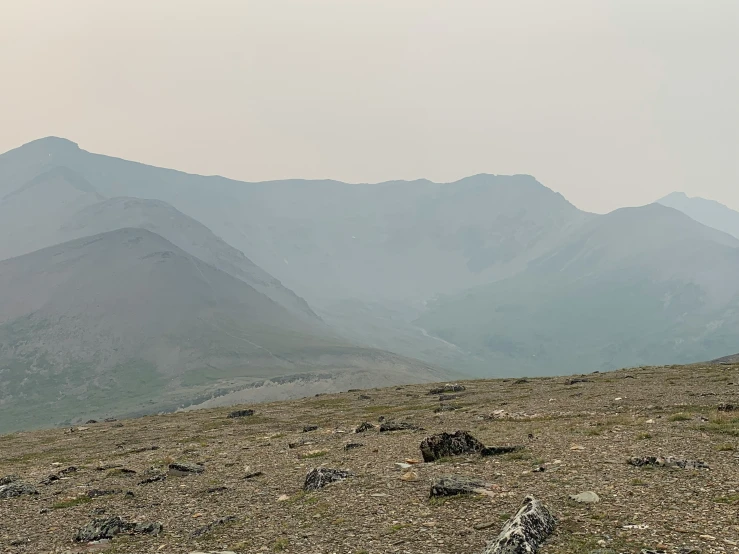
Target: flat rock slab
(669,461)
(525,532)
(17,488)
(452,485)
(322,476)
(397,426)
(9,479)
(445,445)
(185,467)
(499,450)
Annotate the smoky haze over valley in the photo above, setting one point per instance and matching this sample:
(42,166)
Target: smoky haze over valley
(415,192)
(612,102)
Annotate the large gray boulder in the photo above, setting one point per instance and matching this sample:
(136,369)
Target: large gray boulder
(526,531)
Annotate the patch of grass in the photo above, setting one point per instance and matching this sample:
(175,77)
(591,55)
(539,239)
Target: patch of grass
(517,456)
(311,455)
(71,503)
(726,447)
(732,499)
(593,432)
(398,527)
(441,500)
(643,436)
(638,482)
(681,416)
(280,545)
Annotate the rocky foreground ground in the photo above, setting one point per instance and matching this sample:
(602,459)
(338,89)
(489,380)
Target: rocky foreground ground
(651,456)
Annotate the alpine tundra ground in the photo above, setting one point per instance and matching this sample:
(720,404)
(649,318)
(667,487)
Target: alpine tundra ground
(239,486)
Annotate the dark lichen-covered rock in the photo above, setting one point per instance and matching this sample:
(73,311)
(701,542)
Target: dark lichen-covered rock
(444,445)
(452,485)
(353,445)
(669,461)
(17,488)
(153,479)
(366,426)
(526,531)
(449,387)
(387,426)
(185,467)
(320,477)
(241,413)
(109,527)
(95,493)
(212,525)
(9,479)
(498,450)
(309,428)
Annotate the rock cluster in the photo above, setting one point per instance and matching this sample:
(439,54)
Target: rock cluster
(320,477)
(109,527)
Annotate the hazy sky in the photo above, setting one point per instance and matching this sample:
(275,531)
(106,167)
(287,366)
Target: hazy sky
(610,102)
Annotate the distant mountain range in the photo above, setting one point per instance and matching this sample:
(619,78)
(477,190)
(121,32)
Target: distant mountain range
(708,212)
(360,283)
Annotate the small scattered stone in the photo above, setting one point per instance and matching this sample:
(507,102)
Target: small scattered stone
(153,479)
(449,387)
(726,407)
(409,476)
(309,428)
(95,493)
(241,413)
(398,426)
(353,445)
(364,397)
(213,524)
(9,479)
(253,474)
(448,397)
(320,477)
(587,497)
(669,461)
(90,421)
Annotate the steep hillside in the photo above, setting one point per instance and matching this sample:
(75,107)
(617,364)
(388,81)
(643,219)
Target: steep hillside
(30,216)
(709,212)
(638,286)
(126,322)
(186,233)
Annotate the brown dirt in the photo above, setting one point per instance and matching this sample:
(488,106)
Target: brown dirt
(376,511)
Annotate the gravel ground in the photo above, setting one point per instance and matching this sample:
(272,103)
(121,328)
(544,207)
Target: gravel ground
(576,437)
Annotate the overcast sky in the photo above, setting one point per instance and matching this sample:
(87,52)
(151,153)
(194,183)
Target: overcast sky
(610,102)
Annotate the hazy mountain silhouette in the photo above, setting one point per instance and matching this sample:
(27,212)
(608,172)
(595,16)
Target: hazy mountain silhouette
(709,212)
(490,274)
(126,322)
(637,286)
